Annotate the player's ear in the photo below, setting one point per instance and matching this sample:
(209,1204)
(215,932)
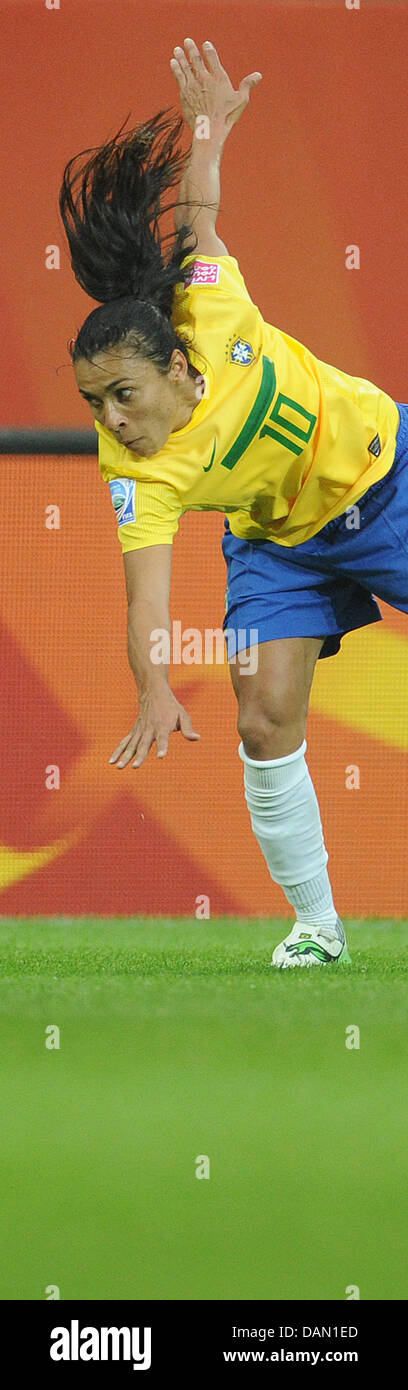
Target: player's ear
(178,365)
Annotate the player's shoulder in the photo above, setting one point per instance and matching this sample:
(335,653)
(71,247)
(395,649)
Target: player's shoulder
(210,272)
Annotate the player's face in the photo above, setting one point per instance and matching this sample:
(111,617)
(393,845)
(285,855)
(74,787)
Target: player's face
(133,399)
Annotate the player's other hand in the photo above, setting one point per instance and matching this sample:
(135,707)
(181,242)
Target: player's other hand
(206,89)
(160,715)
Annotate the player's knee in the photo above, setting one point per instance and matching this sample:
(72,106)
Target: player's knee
(270,736)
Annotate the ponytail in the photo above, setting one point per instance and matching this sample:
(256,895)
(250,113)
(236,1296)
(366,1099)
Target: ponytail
(112,224)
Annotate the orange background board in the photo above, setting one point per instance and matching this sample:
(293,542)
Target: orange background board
(316,165)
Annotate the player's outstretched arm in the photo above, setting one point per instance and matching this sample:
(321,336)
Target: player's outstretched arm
(148,574)
(211,107)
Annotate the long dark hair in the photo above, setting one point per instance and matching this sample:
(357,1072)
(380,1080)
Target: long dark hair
(115,241)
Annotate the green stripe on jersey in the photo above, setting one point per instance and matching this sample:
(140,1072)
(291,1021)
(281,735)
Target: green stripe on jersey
(256,416)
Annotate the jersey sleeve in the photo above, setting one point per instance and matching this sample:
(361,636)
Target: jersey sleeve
(147,513)
(213,308)
(214,276)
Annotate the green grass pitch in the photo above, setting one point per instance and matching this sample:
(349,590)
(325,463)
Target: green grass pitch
(177,1039)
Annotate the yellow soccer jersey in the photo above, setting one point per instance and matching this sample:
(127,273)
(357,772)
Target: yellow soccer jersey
(280,442)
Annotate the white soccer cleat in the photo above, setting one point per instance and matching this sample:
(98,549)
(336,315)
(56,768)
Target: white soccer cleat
(312,946)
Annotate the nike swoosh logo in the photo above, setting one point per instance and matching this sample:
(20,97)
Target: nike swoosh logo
(210,464)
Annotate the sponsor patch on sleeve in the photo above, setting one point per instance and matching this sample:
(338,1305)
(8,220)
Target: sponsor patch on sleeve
(203,273)
(123,494)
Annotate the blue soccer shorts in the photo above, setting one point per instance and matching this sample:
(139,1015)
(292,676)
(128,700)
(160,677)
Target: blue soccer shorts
(324,587)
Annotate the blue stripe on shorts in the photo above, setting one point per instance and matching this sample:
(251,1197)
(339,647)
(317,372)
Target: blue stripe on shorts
(324,587)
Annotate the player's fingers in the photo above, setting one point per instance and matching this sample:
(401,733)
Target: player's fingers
(129,746)
(182,61)
(194,56)
(120,747)
(186,726)
(162,741)
(132,748)
(249,82)
(211,57)
(143,749)
(177,72)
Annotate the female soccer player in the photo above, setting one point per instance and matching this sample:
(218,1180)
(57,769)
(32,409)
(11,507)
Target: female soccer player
(200,404)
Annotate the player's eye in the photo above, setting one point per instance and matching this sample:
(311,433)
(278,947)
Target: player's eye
(122,391)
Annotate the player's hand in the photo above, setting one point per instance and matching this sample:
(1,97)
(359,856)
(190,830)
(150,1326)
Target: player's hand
(205,88)
(160,715)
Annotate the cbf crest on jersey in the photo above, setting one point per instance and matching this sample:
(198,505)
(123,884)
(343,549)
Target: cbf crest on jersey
(240,351)
(123,494)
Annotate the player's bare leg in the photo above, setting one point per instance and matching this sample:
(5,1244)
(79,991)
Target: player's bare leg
(273,704)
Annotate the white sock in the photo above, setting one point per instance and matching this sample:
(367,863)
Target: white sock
(285,818)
